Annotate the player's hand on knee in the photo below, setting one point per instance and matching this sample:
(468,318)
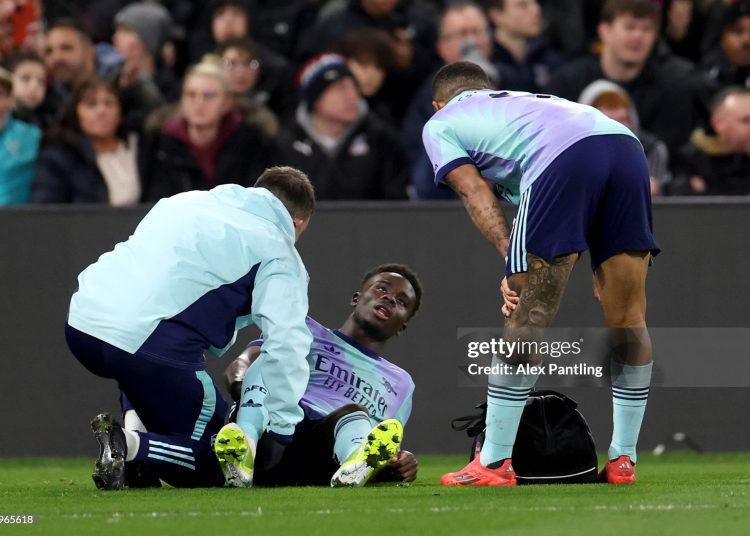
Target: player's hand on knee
(510,298)
(404,466)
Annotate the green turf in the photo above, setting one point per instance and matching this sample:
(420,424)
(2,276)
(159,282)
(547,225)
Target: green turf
(677,493)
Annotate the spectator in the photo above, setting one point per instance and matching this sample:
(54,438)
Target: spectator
(274,24)
(206,142)
(7,10)
(29,88)
(240,68)
(141,30)
(718,163)
(664,88)
(239,57)
(682,28)
(728,63)
(241,61)
(20,26)
(347,152)
(70,57)
(411,26)
(230,20)
(278,24)
(565,27)
(89,157)
(615,103)
(96,18)
(19,143)
(369,56)
(524,60)
(464,35)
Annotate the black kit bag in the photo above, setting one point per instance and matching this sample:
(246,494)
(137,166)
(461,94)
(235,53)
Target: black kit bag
(554,443)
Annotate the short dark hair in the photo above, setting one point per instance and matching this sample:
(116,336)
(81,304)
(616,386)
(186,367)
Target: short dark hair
(368,45)
(67,23)
(456,77)
(402,270)
(718,99)
(734,12)
(292,187)
(640,9)
(216,5)
(245,44)
(492,4)
(20,56)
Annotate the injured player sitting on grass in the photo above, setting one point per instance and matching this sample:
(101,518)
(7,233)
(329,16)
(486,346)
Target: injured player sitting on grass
(355,403)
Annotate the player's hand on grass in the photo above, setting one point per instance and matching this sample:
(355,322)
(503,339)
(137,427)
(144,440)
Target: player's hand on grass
(510,298)
(404,466)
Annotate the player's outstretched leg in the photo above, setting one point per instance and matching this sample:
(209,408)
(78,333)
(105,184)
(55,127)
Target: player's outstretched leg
(376,451)
(109,471)
(234,455)
(621,284)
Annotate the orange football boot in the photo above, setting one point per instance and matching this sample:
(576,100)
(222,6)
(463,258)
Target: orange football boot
(618,471)
(476,474)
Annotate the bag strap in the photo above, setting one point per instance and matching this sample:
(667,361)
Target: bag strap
(569,402)
(472,424)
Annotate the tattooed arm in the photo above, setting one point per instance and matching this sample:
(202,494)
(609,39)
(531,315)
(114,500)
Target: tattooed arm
(481,204)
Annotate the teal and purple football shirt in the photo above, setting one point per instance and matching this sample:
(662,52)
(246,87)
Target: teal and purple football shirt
(507,135)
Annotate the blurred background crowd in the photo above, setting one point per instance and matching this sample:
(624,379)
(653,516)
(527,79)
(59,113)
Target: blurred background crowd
(121,102)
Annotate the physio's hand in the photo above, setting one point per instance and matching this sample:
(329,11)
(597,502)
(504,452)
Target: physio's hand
(510,298)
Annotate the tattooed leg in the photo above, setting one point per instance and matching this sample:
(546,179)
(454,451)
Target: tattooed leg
(507,393)
(541,290)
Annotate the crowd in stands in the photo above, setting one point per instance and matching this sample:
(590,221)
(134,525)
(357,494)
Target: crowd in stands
(124,102)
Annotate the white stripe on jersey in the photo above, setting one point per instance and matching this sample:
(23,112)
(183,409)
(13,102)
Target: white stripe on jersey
(518,235)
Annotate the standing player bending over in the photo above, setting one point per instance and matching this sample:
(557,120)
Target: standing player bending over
(581,182)
(355,403)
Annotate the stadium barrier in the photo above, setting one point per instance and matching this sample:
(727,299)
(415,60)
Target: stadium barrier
(699,281)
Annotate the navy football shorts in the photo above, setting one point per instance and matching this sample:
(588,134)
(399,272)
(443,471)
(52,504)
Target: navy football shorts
(595,195)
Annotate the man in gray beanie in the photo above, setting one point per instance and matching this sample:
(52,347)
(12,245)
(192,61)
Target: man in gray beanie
(141,30)
(150,22)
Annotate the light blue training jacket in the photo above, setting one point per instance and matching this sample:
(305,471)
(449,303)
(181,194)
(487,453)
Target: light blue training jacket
(198,268)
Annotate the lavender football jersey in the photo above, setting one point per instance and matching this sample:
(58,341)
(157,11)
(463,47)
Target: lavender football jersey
(342,372)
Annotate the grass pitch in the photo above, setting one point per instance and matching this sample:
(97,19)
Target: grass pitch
(677,493)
